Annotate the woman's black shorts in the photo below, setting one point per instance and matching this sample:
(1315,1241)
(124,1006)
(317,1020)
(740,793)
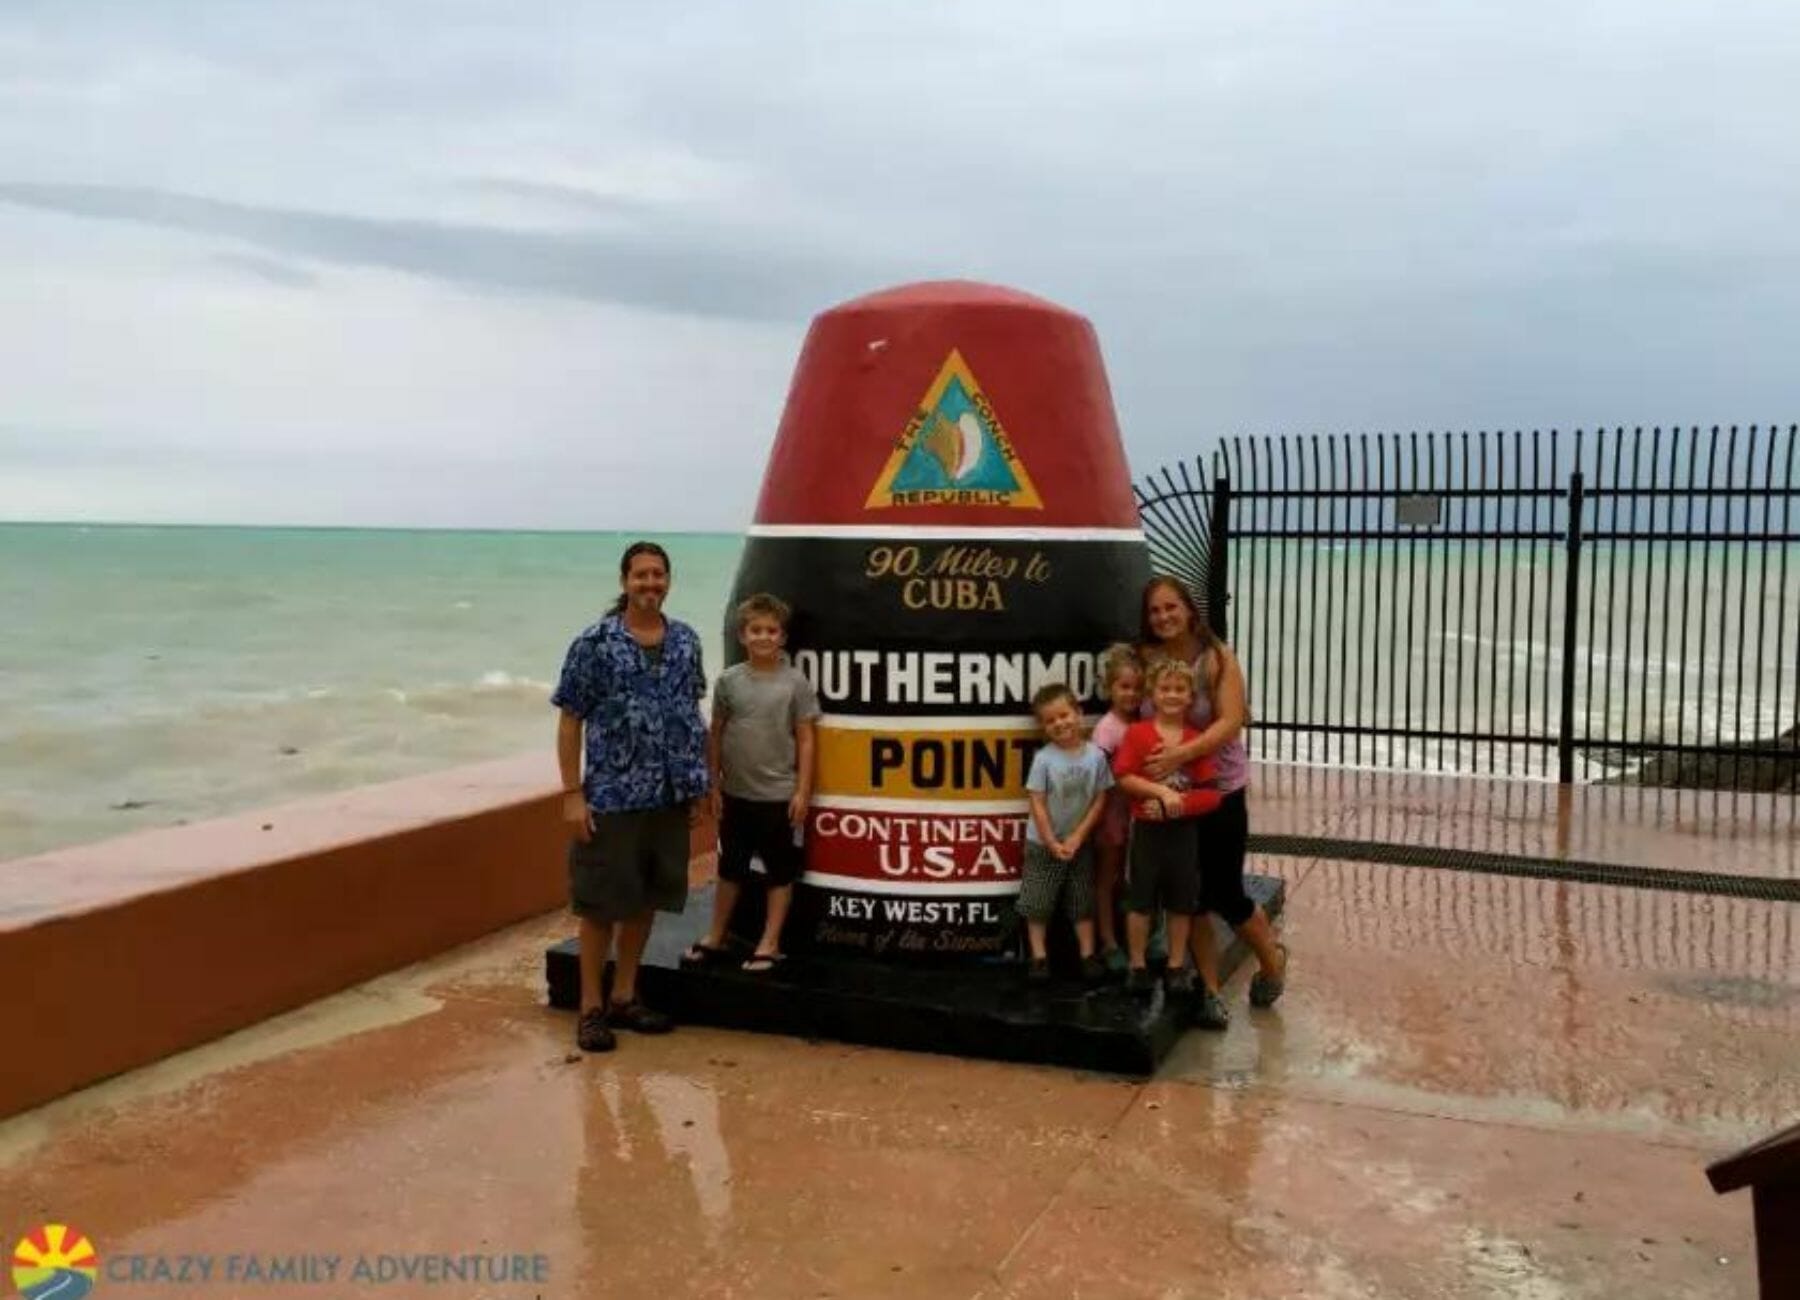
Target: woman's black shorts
(1224,835)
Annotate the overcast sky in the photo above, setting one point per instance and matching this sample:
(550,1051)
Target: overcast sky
(448,262)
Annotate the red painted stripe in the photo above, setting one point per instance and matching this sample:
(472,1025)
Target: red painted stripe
(866,366)
(923,848)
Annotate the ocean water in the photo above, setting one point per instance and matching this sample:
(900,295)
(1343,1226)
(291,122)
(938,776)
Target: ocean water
(1673,644)
(155,675)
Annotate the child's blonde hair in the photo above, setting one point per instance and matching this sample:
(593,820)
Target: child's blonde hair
(1115,659)
(1162,666)
(763,605)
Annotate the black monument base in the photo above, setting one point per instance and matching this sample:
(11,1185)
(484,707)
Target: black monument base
(985,1011)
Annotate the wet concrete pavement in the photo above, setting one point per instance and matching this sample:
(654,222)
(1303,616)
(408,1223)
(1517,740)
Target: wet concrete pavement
(1727,832)
(1476,1086)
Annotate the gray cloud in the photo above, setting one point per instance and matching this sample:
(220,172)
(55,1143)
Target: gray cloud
(638,268)
(1354,214)
(575,199)
(269,270)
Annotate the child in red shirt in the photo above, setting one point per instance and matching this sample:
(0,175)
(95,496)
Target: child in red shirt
(1164,863)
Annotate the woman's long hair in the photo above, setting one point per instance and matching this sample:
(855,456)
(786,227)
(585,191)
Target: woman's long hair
(1206,638)
(631,553)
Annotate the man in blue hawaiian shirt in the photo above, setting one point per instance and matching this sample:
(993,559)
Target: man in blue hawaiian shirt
(629,700)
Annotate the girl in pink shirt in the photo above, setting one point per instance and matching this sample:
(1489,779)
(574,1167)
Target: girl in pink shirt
(1122,679)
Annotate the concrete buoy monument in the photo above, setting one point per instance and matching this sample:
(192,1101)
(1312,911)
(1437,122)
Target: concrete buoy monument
(948,510)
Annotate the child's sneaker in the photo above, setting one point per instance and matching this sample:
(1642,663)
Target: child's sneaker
(1140,983)
(1210,1012)
(1115,960)
(1158,953)
(1179,981)
(1093,970)
(1039,971)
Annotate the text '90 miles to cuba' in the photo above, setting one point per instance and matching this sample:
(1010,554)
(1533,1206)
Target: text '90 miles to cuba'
(974,579)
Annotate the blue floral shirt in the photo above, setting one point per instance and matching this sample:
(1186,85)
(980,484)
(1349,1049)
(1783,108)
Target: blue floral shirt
(645,741)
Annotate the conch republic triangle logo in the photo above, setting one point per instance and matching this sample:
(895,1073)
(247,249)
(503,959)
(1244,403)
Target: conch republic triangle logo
(954,451)
(54,1263)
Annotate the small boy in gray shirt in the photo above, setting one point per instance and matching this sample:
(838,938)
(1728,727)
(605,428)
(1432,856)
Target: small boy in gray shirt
(1067,787)
(761,750)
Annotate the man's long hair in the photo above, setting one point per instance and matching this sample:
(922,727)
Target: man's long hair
(631,553)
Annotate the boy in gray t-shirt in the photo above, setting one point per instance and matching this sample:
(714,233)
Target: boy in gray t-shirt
(761,750)
(1067,786)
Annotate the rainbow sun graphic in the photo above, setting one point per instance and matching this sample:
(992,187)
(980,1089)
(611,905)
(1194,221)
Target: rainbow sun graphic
(55,1263)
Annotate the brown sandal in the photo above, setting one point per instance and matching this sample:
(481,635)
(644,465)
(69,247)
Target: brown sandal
(638,1018)
(1265,990)
(591,1033)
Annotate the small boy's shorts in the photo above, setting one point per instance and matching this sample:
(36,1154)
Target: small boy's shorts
(635,862)
(1163,871)
(1047,879)
(757,828)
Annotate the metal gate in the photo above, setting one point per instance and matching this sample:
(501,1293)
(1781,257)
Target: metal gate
(1617,605)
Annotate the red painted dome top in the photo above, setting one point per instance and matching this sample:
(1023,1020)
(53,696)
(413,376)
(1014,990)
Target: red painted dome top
(942,293)
(949,403)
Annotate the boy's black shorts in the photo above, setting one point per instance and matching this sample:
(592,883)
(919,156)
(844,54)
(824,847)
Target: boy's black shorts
(1163,870)
(754,828)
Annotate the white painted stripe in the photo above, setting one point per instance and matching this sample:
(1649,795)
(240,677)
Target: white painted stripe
(924,722)
(914,888)
(925,807)
(946,532)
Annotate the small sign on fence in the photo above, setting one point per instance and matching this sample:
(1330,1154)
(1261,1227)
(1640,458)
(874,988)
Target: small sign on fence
(1419,511)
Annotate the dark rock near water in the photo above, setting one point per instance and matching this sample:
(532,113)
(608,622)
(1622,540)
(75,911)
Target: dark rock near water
(1617,759)
(131,805)
(1706,769)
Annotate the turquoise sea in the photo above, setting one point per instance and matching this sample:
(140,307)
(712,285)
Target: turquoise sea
(155,675)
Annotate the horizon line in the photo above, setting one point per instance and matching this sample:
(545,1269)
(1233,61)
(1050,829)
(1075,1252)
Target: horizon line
(374,528)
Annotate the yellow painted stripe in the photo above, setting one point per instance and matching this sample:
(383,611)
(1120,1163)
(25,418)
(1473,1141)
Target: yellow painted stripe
(963,765)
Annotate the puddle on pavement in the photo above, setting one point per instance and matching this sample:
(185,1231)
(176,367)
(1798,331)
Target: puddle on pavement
(1734,990)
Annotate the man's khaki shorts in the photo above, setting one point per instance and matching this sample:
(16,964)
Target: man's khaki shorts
(635,862)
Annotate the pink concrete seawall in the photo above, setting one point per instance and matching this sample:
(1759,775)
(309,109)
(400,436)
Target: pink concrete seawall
(118,953)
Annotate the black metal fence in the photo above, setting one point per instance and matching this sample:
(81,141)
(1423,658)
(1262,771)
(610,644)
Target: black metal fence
(1617,605)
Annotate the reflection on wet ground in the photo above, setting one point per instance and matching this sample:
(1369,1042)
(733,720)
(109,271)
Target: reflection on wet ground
(1732,833)
(1476,1086)
(1665,1015)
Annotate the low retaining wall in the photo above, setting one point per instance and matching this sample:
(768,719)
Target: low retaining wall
(118,953)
